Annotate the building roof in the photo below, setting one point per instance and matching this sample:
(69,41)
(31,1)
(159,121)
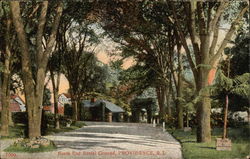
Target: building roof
(67,95)
(110,106)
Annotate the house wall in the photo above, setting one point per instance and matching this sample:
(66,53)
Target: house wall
(14,106)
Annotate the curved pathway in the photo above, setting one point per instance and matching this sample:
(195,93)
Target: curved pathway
(102,140)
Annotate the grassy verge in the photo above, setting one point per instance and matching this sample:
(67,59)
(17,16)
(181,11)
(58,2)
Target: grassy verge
(30,150)
(75,125)
(192,150)
(15,131)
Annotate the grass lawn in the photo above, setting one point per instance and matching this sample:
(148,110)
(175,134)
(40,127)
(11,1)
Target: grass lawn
(192,150)
(15,131)
(30,150)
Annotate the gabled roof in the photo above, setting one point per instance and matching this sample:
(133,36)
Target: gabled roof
(66,95)
(110,106)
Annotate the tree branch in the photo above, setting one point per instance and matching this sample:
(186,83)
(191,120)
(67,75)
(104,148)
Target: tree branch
(183,40)
(40,30)
(214,42)
(214,21)
(228,35)
(55,25)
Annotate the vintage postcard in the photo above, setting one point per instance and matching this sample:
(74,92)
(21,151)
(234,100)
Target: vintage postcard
(124,79)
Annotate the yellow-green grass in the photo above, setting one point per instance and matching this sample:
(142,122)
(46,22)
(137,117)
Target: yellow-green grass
(15,131)
(193,150)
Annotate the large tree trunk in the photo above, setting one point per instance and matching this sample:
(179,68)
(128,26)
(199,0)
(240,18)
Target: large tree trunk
(34,87)
(75,110)
(168,94)
(161,96)
(5,115)
(203,107)
(55,86)
(179,90)
(57,123)
(5,87)
(79,112)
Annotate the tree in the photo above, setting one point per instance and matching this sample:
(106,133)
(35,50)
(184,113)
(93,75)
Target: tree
(5,81)
(202,25)
(39,46)
(225,86)
(55,69)
(142,37)
(239,63)
(78,72)
(10,63)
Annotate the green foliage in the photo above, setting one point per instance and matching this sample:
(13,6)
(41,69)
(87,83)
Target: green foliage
(78,124)
(46,97)
(239,61)
(239,65)
(138,78)
(68,110)
(20,117)
(239,85)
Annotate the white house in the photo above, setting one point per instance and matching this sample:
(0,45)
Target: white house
(64,98)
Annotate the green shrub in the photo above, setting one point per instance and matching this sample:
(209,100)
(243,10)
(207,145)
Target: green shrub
(78,124)
(63,120)
(236,122)
(50,118)
(68,110)
(20,117)
(217,119)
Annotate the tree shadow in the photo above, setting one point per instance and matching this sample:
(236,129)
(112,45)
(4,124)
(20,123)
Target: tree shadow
(207,147)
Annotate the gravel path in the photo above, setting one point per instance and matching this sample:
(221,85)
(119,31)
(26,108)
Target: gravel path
(102,140)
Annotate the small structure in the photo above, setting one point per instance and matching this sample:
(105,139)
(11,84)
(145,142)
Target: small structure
(143,109)
(102,110)
(223,144)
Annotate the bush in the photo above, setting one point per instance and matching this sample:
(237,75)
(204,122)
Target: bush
(63,120)
(20,117)
(78,124)
(217,119)
(236,121)
(50,118)
(68,110)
